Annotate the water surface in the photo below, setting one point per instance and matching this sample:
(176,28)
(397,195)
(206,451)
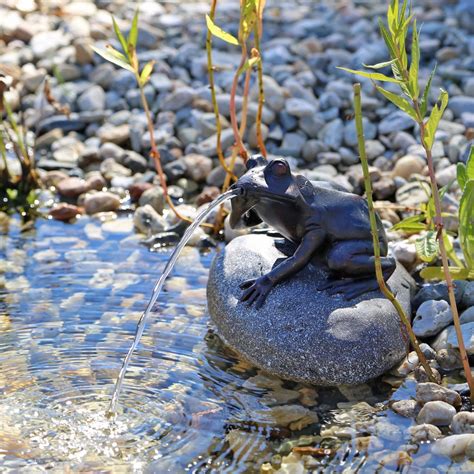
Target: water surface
(70,298)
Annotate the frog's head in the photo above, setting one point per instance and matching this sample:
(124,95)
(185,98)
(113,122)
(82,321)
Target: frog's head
(264,182)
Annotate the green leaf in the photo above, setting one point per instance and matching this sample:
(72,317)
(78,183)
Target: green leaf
(427,246)
(425,99)
(466,223)
(400,102)
(437,273)
(375,76)
(133,34)
(248,17)
(220,33)
(12,194)
(379,65)
(392,15)
(448,245)
(415,61)
(461,175)
(119,36)
(388,39)
(403,10)
(410,225)
(432,124)
(470,164)
(114,56)
(146,71)
(249,64)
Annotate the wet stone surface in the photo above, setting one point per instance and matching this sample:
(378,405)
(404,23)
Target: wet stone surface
(301,333)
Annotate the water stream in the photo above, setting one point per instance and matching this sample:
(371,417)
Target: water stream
(157,290)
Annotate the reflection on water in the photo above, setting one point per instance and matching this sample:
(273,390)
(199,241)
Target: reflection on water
(70,297)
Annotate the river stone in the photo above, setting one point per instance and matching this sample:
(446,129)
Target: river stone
(301,333)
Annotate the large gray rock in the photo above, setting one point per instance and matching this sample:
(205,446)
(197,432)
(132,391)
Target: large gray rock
(301,333)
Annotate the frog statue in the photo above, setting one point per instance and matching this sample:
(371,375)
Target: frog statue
(320,223)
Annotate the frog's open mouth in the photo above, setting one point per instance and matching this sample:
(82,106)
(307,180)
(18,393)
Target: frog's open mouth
(243,204)
(240,207)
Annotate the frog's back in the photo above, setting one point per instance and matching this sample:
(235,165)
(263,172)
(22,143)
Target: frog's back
(343,215)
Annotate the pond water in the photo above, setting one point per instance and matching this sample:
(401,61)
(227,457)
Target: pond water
(70,297)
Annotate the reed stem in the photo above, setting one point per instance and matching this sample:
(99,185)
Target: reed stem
(373,225)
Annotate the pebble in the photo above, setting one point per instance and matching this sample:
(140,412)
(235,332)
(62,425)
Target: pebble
(424,432)
(148,221)
(64,212)
(101,201)
(447,338)
(332,134)
(154,197)
(92,99)
(299,107)
(406,408)
(431,317)
(463,422)
(453,445)
(427,392)
(72,187)
(436,413)
(408,165)
(197,167)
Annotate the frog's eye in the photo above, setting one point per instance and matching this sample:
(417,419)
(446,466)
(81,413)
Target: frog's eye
(279,168)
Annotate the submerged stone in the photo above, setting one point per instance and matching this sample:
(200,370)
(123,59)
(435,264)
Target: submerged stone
(301,333)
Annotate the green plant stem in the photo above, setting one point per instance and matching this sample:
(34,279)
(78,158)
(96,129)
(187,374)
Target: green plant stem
(155,154)
(233,112)
(215,105)
(373,225)
(439,224)
(261,93)
(243,126)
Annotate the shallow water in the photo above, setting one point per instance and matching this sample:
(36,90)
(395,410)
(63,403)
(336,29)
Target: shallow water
(70,297)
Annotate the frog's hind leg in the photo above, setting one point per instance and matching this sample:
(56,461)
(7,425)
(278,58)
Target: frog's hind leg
(353,264)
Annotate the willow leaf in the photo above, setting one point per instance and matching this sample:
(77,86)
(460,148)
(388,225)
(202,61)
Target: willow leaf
(114,56)
(437,273)
(400,102)
(415,62)
(119,36)
(388,39)
(450,252)
(146,71)
(375,76)
(249,16)
(379,65)
(461,175)
(435,116)
(133,34)
(249,64)
(220,33)
(470,164)
(410,225)
(425,99)
(427,246)
(466,223)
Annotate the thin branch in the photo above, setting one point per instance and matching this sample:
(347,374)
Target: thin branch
(215,105)
(373,225)
(261,93)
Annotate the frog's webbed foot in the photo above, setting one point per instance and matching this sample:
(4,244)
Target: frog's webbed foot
(350,288)
(256,291)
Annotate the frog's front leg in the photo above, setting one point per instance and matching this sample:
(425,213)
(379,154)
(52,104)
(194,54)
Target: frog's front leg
(256,290)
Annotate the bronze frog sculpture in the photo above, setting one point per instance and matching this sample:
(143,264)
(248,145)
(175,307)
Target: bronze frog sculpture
(320,222)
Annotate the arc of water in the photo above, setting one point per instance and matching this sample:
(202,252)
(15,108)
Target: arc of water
(157,290)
